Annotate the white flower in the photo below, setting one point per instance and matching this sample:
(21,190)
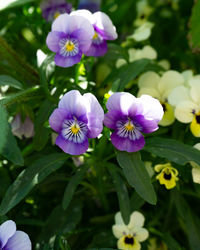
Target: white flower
(143,32)
(187,104)
(144,10)
(147,52)
(129,236)
(152,84)
(196,168)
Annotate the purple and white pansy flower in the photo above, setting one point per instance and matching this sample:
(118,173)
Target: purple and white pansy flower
(103,30)
(10,239)
(129,117)
(71,36)
(77,118)
(51,9)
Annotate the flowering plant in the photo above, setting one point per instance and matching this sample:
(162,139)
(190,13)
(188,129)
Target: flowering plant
(99,125)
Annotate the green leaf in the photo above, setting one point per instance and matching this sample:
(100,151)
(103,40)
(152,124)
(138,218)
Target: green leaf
(41,132)
(172,150)
(104,238)
(8,80)
(171,242)
(191,220)
(137,175)
(11,150)
(122,193)
(30,177)
(73,184)
(194,24)
(122,76)
(4,127)
(12,3)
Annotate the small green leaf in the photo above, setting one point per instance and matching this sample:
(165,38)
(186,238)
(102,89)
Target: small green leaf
(72,185)
(122,193)
(172,150)
(194,24)
(137,175)
(11,150)
(122,76)
(30,177)
(4,127)
(41,132)
(8,80)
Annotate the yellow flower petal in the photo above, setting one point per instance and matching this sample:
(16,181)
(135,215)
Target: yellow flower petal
(159,167)
(195,126)
(168,117)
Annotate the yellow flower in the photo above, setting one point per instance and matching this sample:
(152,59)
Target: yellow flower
(129,236)
(167,176)
(186,100)
(150,83)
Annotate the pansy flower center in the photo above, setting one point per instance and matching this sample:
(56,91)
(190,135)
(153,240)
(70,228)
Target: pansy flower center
(129,240)
(129,126)
(69,47)
(95,35)
(97,38)
(56,14)
(74,130)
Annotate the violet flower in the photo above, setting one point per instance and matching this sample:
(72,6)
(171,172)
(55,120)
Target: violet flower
(10,239)
(71,36)
(51,9)
(129,117)
(104,30)
(20,128)
(76,119)
(91,5)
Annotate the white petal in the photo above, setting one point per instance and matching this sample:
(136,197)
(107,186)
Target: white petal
(105,25)
(169,81)
(84,13)
(149,80)
(7,230)
(143,32)
(187,75)
(120,62)
(178,95)
(184,111)
(195,90)
(152,109)
(118,219)
(149,52)
(141,234)
(165,64)
(120,230)
(19,241)
(196,175)
(93,106)
(149,91)
(61,23)
(136,220)
(197,146)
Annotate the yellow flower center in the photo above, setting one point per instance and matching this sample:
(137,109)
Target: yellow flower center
(75,129)
(195,125)
(95,36)
(69,46)
(56,14)
(129,126)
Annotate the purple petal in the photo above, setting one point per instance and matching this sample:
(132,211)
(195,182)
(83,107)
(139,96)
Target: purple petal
(111,118)
(93,106)
(7,230)
(57,117)
(70,147)
(75,104)
(19,241)
(152,109)
(104,26)
(125,144)
(148,125)
(61,23)
(97,49)
(122,102)
(95,126)
(68,61)
(53,39)
(28,128)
